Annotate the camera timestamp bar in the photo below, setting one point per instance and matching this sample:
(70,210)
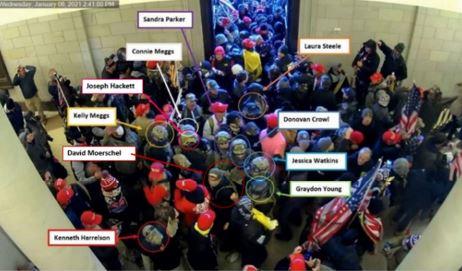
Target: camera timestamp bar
(59,4)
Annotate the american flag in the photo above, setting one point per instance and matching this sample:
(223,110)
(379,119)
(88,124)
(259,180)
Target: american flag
(410,112)
(333,216)
(455,169)
(371,225)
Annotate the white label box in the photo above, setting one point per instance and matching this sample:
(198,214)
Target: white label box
(154,51)
(112,86)
(91,116)
(320,189)
(81,237)
(165,19)
(313,161)
(324,46)
(98,153)
(308,120)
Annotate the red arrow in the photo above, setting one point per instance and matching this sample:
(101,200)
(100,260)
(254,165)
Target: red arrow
(162,112)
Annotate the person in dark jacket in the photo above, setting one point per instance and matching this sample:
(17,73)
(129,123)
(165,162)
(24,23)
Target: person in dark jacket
(109,256)
(394,61)
(400,170)
(14,114)
(24,78)
(214,94)
(419,195)
(323,96)
(389,147)
(202,254)
(365,124)
(249,234)
(360,161)
(283,59)
(365,64)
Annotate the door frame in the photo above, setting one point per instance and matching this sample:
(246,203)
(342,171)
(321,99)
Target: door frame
(293,15)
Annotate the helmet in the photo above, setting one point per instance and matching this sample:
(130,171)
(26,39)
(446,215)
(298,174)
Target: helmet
(188,138)
(152,235)
(259,166)
(159,133)
(239,150)
(259,189)
(222,137)
(238,147)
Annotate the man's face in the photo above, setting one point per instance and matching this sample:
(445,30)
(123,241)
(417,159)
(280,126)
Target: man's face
(219,57)
(30,137)
(224,145)
(363,158)
(234,126)
(366,121)
(219,116)
(191,104)
(368,50)
(92,168)
(213,180)
(22,72)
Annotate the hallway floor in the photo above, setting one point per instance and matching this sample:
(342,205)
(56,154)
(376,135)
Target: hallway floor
(276,249)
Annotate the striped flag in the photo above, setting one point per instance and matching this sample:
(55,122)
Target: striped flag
(455,169)
(333,216)
(410,113)
(444,118)
(372,226)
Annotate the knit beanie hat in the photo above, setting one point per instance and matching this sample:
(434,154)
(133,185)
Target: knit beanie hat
(236,69)
(219,50)
(283,49)
(244,206)
(399,47)
(220,39)
(324,143)
(401,166)
(367,112)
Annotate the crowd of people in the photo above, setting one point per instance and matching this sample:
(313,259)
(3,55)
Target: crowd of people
(210,170)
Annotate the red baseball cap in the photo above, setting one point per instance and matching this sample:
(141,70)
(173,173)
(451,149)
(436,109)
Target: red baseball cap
(187,185)
(205,220)
(357,137)
(141,109)
(272,120)
(90,219)
(218,107)
(297,262)
(376,78)
(152,65)
(64,196)
(60,184)
(318,68)
(391,138)
(160,118)
(157,171)
(248,43)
